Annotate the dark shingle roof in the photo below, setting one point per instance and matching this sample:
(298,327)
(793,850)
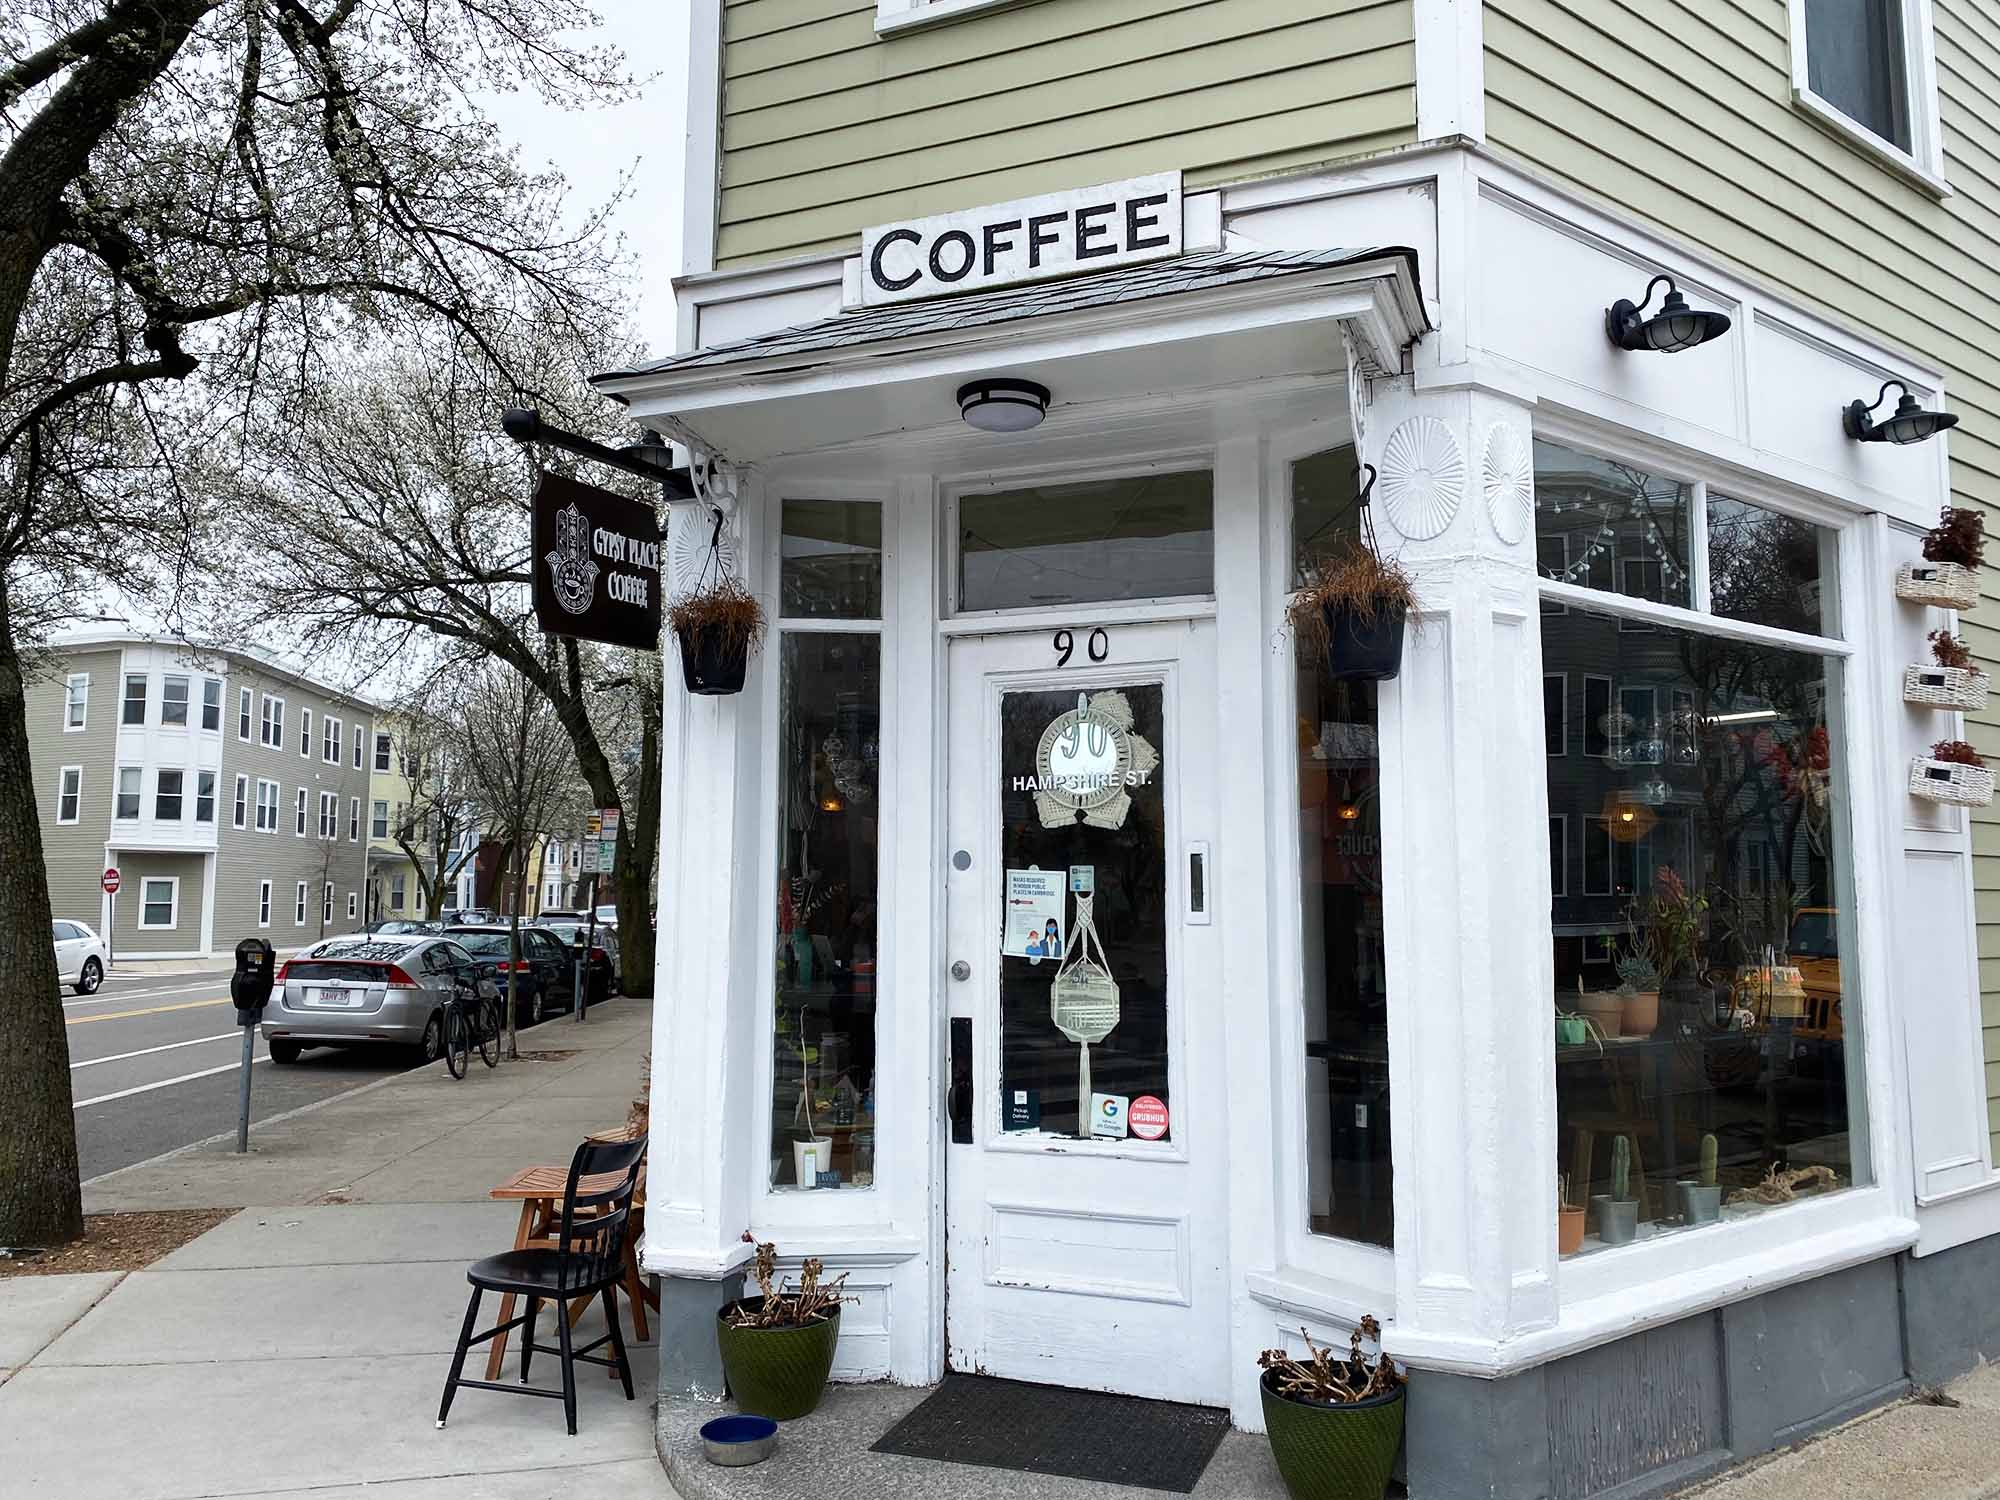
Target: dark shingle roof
(873,325)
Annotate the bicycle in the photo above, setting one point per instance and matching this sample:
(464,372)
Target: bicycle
(470,1018)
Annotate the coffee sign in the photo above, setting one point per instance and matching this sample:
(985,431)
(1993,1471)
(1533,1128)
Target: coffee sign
(596,561)
(1031,239)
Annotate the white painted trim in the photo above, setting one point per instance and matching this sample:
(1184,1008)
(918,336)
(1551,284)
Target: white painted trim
(69,685)
(264,899)
(1451,69)
(1923,165)
(210,866)
(62,777)
(173,882)
(299,900)
(701,141)
(894,17)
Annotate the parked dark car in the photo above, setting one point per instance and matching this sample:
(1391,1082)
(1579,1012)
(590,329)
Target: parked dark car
(603,953)
(384,989)
(545,983)
(404,927)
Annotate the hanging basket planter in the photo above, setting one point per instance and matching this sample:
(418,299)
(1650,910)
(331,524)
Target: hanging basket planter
(1363,649)
(1944,585)
(717,624)
(1950,781)
(1929,686)
(1353,603)
(711,665)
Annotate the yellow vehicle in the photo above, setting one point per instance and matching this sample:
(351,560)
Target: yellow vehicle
(1814,946)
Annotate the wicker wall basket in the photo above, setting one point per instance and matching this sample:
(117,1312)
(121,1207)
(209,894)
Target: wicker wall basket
(1947,585)
(1945,687)
(1948,781)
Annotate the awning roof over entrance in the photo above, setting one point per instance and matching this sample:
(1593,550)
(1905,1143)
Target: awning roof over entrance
(1210,318)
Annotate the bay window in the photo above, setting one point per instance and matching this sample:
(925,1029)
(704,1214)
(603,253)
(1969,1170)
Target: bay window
(1707,1063)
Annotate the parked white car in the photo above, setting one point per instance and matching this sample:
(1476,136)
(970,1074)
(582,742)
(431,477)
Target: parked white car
(79,957)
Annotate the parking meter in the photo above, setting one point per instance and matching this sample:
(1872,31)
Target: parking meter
(250,986)
(250,989)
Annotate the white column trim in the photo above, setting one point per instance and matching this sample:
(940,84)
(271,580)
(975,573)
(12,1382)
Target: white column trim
(1451,69)
(701,145)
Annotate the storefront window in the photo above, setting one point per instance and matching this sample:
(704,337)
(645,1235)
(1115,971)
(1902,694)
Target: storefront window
(829,780)
(1345,989)
(1699,856)
(1146,536)
(1612,526)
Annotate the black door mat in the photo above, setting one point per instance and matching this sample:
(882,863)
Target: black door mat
(1045,1429)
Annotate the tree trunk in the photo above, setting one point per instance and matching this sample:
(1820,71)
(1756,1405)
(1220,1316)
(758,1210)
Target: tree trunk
(40,1201)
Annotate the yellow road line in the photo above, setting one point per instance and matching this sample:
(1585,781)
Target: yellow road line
(151,1010)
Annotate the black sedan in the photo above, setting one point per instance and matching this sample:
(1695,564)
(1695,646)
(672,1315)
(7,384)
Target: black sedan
(545,981)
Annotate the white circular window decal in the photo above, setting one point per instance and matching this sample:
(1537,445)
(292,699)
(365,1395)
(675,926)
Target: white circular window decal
(1087,760)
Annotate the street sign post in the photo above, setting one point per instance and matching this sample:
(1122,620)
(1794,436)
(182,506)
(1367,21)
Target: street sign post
(110,882)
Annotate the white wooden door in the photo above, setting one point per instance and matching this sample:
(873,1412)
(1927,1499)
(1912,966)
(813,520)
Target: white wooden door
(1081,1256)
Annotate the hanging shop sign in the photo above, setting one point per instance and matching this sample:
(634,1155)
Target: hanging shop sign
(596,564)
(1036,909)
(1030,239)
(1086,761)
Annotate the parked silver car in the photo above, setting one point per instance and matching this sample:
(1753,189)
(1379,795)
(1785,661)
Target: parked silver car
(368,989)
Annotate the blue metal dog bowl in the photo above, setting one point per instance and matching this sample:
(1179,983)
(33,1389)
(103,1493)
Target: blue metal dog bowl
(735,1441)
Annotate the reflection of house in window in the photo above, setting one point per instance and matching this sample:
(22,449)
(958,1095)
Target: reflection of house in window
(1596,710)
(1638,740)
(1555,711)
(1597,857)
(1552,557)
(1559,855)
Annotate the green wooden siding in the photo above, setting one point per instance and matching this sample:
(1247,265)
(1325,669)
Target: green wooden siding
(1681,113)
(827,128)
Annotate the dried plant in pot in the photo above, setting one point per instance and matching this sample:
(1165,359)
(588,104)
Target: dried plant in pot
(1949,680)
(1335,1422)
(1353,603)
(777,1347)
(1948,577)
(717,626)
(1569,1219)
(1953,772)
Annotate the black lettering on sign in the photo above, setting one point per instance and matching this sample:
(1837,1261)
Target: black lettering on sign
(995,246)
(1065,646)
(1087,231)
(1136,221)
(958,237)
(875,272)
(1099,645)
(1037,239)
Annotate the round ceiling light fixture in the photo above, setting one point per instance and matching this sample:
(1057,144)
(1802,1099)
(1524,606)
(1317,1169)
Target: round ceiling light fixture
(1003,405)
(1675,327)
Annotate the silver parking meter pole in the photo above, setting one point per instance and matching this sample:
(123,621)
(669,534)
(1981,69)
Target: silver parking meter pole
(243,1085)
(250,988)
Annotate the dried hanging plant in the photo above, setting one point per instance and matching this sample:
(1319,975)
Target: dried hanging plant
(1326,1381)
(1957,752)
(1949,651)
(724,611)
(781,1306)
(1351,577)
(1959,537)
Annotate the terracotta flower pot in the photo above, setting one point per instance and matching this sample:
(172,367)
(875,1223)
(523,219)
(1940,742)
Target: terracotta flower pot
(776,1372)
(1639,1013)
(1333,1452)
(1604,1008)
(1569,1230)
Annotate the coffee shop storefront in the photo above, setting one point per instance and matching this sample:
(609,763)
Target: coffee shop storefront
(1051,943)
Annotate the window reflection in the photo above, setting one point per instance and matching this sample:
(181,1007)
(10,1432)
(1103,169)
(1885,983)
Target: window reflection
(830,560)
(1770,569)
(1147,536)
(1608,525)
(1345,986)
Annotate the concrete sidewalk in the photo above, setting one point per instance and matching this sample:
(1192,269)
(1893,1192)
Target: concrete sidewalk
(301,1346)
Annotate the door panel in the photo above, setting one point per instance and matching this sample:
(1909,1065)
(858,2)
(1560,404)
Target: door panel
(1086,1219)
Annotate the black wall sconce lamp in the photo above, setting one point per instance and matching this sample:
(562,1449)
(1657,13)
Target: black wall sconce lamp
(1675,327)
(1909,423)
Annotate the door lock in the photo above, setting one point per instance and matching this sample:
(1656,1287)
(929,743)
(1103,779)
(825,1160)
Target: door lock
(961,971)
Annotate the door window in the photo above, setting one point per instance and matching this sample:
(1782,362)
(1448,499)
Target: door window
(1084,909)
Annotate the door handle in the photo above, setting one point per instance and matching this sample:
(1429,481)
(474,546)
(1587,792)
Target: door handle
(961,971)
(958,1098)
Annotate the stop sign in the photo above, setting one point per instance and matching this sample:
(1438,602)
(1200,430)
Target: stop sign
(110,881)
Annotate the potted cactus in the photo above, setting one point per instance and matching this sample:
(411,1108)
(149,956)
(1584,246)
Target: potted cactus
(1569,1219)
(1334,1423)
(1950,681)
(1701,1197)
(1618,1210)
(777,1348)
(1948,577)
(1952,772)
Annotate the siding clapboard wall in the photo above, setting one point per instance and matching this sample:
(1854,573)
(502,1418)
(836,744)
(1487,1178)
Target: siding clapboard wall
(1680,113)
(827,128)
(74,852)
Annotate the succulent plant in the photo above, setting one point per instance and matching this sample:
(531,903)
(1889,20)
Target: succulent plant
(1621,1170)
(1636,973)
(1708,1161)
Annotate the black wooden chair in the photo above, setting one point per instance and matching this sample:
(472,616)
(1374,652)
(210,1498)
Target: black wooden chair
(590,1262)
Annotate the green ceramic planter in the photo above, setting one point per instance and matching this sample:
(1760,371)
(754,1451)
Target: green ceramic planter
(776,1372)
(1333,1452)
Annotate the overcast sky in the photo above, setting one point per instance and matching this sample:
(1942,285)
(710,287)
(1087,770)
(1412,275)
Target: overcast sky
(641,138)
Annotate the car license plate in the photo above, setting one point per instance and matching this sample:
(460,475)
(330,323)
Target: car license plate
(337,999)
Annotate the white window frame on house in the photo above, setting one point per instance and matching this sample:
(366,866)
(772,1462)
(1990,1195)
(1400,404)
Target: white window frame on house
(174,710)
(329,815)
(399,890)
(244,704)
(271,730)
(263,903)
(306,733)
(382,750)
(138,794)
(239,807)
(351,905)
(204,793)
(267,807)
(1767,1245)
(173,885)
(299,813)
(360,738)
(894,16)
(299,905)
(69,790)
(353,820)
(76,702)
(127,700)
(1923,164)
(160,794)
(214,709)
(326,903)
(331,734)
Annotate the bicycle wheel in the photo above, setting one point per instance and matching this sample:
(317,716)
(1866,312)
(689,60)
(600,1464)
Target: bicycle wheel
(456,1054)
(489,1032)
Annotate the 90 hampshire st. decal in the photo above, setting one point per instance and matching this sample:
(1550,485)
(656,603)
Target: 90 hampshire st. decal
(1031,239)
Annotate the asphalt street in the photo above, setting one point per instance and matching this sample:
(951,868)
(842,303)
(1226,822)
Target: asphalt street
(154,1060)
